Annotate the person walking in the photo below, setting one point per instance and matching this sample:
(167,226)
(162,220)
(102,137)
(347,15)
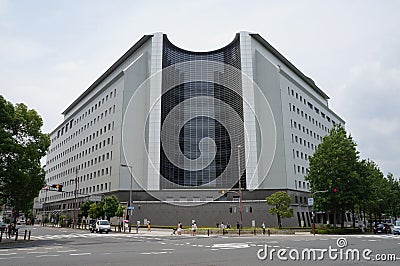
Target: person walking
(148,226)
(194,229)
(179,228)
(263,227)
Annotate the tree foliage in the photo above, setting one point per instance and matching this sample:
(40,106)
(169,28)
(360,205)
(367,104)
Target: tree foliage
(281,202)
(120,210)
(85,207)
(107,207)
(110,206)
(361,186)
(333,165)
(22,145)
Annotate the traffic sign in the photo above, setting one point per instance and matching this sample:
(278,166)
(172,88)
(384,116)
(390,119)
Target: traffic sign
(131,207)
(310,201)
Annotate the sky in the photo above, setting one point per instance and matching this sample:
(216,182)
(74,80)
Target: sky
(52,51)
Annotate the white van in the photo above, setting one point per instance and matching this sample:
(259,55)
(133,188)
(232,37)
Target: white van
(103,226)
(396,227)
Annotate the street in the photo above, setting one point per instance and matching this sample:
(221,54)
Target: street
(59,246)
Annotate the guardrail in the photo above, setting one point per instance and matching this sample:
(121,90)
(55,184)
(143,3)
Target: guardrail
(13,233)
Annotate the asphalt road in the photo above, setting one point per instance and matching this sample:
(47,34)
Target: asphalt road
(57,246)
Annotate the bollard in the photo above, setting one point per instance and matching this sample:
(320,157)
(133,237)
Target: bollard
(29,235)
(239,231)
(254,231)
(223,231)
(1,235)
(208,232)
(16,235)
(26,231)
(269,232)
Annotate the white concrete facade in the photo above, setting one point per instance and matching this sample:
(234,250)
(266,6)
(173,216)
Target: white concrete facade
(91,139)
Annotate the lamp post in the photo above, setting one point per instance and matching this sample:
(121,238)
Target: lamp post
(130,192)
(240,189)
(75,195)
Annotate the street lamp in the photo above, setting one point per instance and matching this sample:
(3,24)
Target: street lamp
(240,189)
(130,192)
(75,196)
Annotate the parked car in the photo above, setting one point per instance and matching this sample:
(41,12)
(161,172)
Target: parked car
(382,228)
(396,228)
(103,226)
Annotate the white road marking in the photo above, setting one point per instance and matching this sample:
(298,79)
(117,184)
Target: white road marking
(64,251)
(80,254)
(37,252)
(49,255)
(10,258)
(8,254)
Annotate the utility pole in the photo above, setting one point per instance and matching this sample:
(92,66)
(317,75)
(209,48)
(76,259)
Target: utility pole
(240,190)
(130,193)
(75,196)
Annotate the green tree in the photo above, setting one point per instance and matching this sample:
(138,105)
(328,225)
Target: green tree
(96,210)
(281,202)
(110,206)
(374,188)
(120,211)
(85,207)
(394,196)
(334,165)
(22,145)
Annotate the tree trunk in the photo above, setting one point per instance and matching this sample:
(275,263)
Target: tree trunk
(279,221)
(342,216)
(334,217)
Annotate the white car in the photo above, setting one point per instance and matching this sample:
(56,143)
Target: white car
(103,226)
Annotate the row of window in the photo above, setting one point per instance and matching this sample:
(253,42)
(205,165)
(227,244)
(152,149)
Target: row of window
(300,155)
(77,145)
(305,130)
(310,105)
(307,117)
(303,142)
(82,191)
(302,199)
(94,107)
(298,184)
(299,169)
(109,111)
(80,155)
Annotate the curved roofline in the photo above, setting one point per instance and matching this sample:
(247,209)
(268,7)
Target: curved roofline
(237,37)
(133,49)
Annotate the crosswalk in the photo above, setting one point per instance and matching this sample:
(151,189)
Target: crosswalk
(86,235)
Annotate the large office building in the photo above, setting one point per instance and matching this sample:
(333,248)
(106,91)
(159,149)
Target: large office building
(191,135)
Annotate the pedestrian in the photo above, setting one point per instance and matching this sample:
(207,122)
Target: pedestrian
(237,225)
(228,225)
(263,227)
(10,229)
(148,226)
(222,225)
(137,226)
(194,228)
(179,228)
